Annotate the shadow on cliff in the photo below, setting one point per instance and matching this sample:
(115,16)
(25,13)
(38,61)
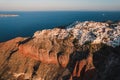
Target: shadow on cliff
(107,63)
(99,63)
(25,41)
(77,64)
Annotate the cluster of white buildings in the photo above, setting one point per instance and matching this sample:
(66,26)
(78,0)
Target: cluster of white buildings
(88,31)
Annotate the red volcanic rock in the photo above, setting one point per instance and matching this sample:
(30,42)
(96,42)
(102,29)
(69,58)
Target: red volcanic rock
(22,58)
(78,68)
(84,70)
(62,54)
(47,50)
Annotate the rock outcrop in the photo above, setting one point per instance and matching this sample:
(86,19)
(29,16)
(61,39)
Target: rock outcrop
(82,51)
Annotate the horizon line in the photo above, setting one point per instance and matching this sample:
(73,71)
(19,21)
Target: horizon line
(58,10)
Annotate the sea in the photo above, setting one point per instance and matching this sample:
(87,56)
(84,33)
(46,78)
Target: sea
(28,22)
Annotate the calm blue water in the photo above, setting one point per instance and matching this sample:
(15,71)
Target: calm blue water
(29,22)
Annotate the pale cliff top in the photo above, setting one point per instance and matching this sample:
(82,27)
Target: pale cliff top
(88,31)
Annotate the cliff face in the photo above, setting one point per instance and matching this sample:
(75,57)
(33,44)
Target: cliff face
(83,51)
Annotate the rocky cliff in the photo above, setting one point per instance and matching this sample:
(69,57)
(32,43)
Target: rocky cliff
(82,51)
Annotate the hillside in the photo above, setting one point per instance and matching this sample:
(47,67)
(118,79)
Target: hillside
(81,51)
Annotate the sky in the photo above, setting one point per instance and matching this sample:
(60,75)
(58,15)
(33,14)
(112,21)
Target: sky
(54,5)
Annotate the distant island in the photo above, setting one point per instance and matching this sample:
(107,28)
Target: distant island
(8,15)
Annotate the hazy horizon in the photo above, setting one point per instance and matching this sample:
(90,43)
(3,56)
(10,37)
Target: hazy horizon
(62,5)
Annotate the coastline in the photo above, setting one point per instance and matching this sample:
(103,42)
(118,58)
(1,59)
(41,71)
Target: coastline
(79,51)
